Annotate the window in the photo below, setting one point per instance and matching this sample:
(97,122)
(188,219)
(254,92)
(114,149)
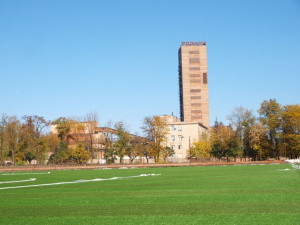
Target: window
(194,68)
(194,60)
(173,147)
(179,138)
(195,81)
(196,104)
(194,75)
(179,128)
(195,90)
(194,52)
(204,78)
(179,146)
(196,111)
(172,137)
(172,128)
(196,117)
(95,155)
(195,97)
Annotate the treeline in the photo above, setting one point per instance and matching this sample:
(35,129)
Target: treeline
(24,140)
(275,133)
(78,140)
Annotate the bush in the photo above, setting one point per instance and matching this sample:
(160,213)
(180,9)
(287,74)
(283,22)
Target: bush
(21,163)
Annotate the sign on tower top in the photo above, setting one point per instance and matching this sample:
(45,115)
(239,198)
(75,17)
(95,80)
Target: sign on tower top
(184,43)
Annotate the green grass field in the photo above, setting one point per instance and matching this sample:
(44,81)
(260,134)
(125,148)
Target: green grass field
(252,194)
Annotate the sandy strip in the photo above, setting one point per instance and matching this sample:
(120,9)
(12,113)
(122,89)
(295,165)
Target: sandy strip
(79,181)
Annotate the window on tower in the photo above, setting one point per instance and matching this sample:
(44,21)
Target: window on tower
(196,117)
(195,90)
(196,104)
(196,111)
(194,60)
(198,81)
(194,68)
(204,78)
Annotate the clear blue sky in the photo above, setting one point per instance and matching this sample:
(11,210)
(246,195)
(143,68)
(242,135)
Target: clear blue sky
(119,58)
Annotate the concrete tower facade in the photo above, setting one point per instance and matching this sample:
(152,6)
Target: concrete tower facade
(193,82)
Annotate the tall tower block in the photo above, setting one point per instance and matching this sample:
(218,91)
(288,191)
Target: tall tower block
(193,82)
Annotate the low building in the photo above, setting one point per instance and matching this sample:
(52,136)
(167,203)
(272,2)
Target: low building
(181,136)
(90,134)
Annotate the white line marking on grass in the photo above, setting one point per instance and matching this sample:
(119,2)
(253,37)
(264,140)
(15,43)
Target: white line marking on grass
(13,174)
(79,181)
(285,169)
(17,181)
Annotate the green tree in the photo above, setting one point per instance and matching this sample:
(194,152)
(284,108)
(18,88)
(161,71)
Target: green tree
(167,152)
(242,121)
(35,126)
(109,154)
(224,141)
(122,145)
(64,128)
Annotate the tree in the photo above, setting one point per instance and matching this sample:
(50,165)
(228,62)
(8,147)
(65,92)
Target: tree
(11,135)
(201,148)
(224,141)
(80,154)
(259,141)
(63,128)
(90,129)
(166,152)
(291,131)
(29,156)
(109,154)
(122,145)
(156,131)
(65,132)
(242,121)
(35,126)
(2,137)
(270,118)
(107,141)
(137,148)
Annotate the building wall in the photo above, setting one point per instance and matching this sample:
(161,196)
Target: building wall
(182,135)
(193,82)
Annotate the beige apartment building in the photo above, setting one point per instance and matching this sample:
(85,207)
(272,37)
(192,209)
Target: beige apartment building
(181,136)
(193,83)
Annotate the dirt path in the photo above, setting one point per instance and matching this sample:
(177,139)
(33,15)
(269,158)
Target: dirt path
(43,168)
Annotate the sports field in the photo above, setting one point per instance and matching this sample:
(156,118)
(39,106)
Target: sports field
(248,194)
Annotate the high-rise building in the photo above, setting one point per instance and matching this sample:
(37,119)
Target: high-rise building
(193,83)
